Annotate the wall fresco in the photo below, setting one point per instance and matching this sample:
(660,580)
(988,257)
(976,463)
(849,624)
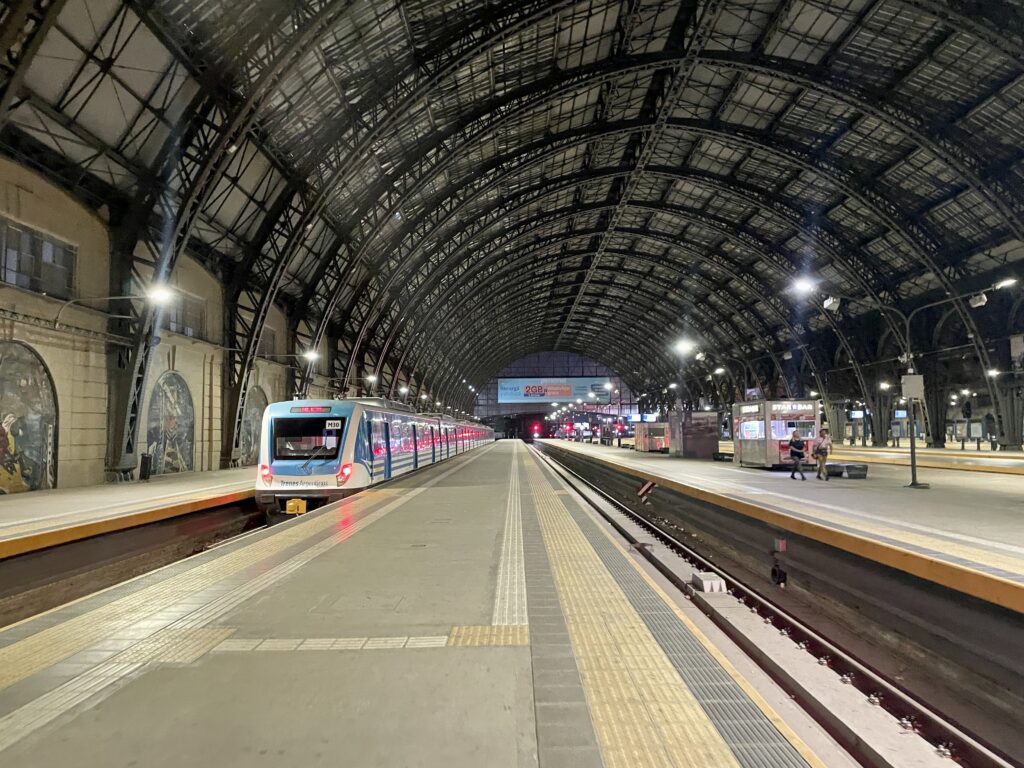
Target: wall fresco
(252,419)
(28,421)
(171,426)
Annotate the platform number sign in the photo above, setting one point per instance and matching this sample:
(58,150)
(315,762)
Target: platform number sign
(332,424)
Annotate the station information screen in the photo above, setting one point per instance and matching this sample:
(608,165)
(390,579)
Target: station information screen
(555,390)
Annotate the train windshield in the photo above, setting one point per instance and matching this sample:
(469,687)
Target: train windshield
(307,438)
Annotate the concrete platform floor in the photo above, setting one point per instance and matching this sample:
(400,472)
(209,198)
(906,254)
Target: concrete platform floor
(973,519)
(472,614)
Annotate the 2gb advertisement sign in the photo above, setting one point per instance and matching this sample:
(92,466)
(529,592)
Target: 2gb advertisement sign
(554,390)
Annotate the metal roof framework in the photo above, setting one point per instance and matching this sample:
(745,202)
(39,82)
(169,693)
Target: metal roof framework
(435,188)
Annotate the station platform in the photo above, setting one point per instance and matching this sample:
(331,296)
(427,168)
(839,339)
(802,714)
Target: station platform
(964,533)
(970,460)
(41,519)
(951,457)
(470,614)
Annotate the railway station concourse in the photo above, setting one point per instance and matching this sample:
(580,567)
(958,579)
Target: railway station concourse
(373,375)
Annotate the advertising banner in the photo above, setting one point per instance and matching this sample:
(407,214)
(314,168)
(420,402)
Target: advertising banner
(554,390)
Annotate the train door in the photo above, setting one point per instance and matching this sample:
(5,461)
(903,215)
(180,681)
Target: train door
(387,450)
(415,448)
(378,448)
(433,447)
(369,443)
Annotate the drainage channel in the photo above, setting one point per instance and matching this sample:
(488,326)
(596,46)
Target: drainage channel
(38,581)
(946,737)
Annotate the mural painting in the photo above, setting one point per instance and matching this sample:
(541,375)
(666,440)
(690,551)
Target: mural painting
(171,426)
(28,421)
(252,419)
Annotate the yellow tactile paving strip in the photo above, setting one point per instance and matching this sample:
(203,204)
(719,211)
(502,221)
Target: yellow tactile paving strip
(962,578)
(489,634)
(643,713)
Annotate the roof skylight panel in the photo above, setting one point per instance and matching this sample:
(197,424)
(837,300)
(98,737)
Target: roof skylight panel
(756,102)
(872,145)
(810,29)
(966,218)
(689,193)
(998,123)
(854,220)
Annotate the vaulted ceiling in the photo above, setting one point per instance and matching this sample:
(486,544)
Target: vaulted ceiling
(438,187)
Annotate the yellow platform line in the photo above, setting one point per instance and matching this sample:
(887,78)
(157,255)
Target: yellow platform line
(643,713)
(961,578)
(10,547)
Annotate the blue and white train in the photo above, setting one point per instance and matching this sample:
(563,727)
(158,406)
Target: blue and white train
(323,450)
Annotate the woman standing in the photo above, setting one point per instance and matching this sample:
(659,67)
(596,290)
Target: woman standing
(796,453)
(822,448)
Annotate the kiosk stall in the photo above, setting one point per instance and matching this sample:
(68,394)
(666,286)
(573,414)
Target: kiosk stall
(652,438)
(761,430)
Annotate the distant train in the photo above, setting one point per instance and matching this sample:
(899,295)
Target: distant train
(322,450)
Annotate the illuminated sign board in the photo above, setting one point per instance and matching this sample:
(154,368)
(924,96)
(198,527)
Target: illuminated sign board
(549,390)
(856,414)
(788,407)
(750,409)
(900,414)
(647,417)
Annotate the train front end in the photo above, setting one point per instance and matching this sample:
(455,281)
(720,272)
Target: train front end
(307,458)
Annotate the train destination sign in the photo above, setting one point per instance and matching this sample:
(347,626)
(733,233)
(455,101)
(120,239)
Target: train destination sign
(546,390)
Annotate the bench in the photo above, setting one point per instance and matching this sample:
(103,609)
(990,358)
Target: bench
(847,469)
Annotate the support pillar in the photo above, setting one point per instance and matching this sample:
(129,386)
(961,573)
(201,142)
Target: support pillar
(1012,396)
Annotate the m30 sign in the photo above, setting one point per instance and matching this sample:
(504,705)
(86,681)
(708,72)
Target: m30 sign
(554,390)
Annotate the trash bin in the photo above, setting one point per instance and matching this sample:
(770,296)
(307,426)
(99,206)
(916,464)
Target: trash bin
(146,466)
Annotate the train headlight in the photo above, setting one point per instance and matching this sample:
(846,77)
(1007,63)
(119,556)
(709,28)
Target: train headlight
(266,475)
(344,474)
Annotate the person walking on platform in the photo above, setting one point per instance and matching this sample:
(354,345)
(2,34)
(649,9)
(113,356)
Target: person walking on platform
(822,448)
(796,453)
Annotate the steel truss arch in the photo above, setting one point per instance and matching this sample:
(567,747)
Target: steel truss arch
(884,210)
(767,203)
(492,294)
(655,261)
(779,261)
(841,177)
(639,360)
(841,93)
(218,137)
